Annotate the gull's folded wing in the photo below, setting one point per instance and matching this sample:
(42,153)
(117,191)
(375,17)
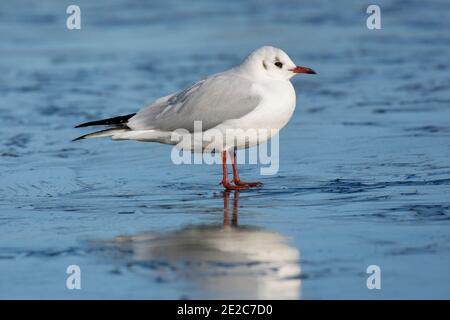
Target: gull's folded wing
(214,100)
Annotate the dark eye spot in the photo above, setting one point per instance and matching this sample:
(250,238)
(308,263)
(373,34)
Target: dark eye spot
(264,65)
(279,64)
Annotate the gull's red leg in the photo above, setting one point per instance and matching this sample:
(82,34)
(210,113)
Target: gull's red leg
(237,181)
(226,184)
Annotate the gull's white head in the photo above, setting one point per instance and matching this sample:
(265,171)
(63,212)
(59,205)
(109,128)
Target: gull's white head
(273,63)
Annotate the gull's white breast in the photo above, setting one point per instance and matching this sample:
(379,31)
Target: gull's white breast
(267,119)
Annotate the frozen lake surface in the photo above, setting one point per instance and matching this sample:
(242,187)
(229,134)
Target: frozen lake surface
(364,163)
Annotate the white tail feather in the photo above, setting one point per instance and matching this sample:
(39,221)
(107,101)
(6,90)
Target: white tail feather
(102,133)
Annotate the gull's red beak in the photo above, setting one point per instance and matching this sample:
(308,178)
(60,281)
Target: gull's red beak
(298,69)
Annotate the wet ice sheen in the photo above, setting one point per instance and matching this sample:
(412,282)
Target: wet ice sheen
(364,171)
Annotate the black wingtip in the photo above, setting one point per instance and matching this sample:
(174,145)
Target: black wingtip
(79,138)
(120,120)
(85,124)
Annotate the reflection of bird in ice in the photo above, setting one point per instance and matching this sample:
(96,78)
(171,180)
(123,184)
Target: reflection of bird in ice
(221,261)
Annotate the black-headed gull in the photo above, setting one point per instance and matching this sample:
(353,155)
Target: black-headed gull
(255,95)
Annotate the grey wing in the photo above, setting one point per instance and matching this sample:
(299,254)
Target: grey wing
(211,101)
